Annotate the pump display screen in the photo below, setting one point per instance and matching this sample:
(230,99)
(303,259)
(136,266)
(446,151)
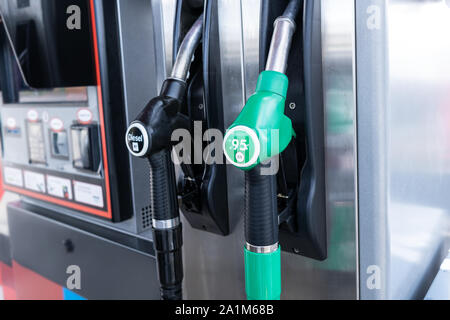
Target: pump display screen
(51,44)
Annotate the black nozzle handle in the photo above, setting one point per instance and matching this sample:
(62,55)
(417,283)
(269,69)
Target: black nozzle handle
(167,229)
(163,191)
(261,209)
(149,136)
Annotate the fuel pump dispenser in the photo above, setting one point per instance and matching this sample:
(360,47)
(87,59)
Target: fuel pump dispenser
(149,136)
(261,132)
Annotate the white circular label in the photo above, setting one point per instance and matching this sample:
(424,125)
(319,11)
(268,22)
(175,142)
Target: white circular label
(56,124)
(84,116)
(11,123)
(137,140)
(33,115)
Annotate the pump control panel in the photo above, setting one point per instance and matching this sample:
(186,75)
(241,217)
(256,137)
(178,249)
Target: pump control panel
(54,155)
(56,147)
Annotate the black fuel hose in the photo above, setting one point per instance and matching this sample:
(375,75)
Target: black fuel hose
(293,9)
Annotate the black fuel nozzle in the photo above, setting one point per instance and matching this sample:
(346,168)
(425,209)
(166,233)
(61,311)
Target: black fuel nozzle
(149,136)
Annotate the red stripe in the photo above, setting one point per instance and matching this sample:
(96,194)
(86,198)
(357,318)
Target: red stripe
(32,286)
(7,272)
(101,113)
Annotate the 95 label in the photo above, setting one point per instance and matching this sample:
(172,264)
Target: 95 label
(242,147)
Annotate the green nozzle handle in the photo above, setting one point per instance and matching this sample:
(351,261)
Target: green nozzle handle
(263,275)
(262,130)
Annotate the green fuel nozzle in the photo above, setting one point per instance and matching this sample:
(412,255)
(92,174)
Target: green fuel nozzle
(262,130)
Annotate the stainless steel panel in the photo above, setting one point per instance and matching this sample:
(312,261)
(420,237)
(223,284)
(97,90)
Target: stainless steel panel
(220,260)
(403,114)
(239,58)
(162,20)
(338,274)
(144,62)
(372,89)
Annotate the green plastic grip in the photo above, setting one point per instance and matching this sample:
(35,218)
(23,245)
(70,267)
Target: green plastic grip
(263,275)
(262,130)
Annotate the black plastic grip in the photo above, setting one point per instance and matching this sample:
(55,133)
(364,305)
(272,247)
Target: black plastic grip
(168,244)
(163,192)
(261,210)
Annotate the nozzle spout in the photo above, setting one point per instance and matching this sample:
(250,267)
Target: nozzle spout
(280,46)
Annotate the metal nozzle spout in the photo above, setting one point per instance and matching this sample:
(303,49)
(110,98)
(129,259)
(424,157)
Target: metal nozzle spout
(281,45)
